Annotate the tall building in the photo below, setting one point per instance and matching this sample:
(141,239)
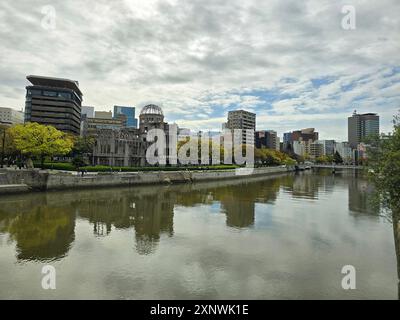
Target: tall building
(267,139)
(305,135)
(116,145)
(287,141)
(315,149)
(88,111)
(360,126)
(344,150)
(328,148)
(244,120)
(11,116)
(129,112)
(54,101)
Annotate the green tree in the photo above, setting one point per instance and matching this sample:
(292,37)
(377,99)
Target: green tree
(6,140)
(384,168)
(384,165)
(83,146)
(272,157)
(36,140)
(322,159)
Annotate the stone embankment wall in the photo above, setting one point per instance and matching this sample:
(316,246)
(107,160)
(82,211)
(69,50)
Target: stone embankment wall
(37,180)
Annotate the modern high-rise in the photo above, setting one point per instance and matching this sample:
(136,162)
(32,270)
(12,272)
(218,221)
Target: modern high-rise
(267,139)
(344,151)
(88,111)
(11,116)
(129,112)
(360,126)
(244,120)
(54,101)
(328,147)
(305,135)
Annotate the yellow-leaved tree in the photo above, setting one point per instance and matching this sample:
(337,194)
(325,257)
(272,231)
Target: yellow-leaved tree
(36,140)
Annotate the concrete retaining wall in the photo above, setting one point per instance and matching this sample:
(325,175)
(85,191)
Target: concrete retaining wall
(43,180)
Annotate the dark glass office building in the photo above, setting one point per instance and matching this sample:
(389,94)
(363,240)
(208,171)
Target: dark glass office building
(54,101)
(129,112)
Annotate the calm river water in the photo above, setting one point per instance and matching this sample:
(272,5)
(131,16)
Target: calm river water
(278,238)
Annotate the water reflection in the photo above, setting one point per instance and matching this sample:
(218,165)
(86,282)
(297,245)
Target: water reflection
(40,232)
(42,225)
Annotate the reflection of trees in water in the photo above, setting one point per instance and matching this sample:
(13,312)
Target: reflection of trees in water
(47,229)
(360,197)
(149,213)
(42,233)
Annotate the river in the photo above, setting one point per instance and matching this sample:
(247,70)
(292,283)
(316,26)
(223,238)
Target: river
(285,237)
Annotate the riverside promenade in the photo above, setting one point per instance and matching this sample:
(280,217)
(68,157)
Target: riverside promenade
(19,181)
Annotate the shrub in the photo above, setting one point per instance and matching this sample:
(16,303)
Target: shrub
(71,167)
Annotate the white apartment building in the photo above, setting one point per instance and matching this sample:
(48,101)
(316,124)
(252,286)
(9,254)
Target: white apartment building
(11,116)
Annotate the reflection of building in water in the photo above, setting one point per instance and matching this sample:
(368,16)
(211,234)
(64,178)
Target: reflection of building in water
(103,213)
(47,231)
(150,214)
(238,202)
(42,233)
(360,193)
(239,212)
(305,186)
(154,216)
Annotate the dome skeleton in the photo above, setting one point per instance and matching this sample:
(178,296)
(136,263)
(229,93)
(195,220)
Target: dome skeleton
(152,109)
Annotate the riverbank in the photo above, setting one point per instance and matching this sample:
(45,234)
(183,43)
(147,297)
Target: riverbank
(44,180)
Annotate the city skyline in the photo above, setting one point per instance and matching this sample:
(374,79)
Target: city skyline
(241,56)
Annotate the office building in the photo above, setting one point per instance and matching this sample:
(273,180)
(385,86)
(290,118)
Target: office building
(287,143)
(315,149)
(54,101)
(344,150)
(103,114)
(328,147)
(91,125)
(11,116)
(244,120)
(88,111)
(267,139)
(308,134)
(129,112)
(360,126)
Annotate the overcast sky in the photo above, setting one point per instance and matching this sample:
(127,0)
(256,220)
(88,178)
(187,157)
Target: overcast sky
(291,62)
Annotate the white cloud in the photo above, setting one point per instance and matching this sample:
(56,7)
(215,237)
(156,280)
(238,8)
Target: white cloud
(203,57)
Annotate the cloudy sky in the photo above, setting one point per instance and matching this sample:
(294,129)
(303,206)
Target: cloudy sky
(289,61)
